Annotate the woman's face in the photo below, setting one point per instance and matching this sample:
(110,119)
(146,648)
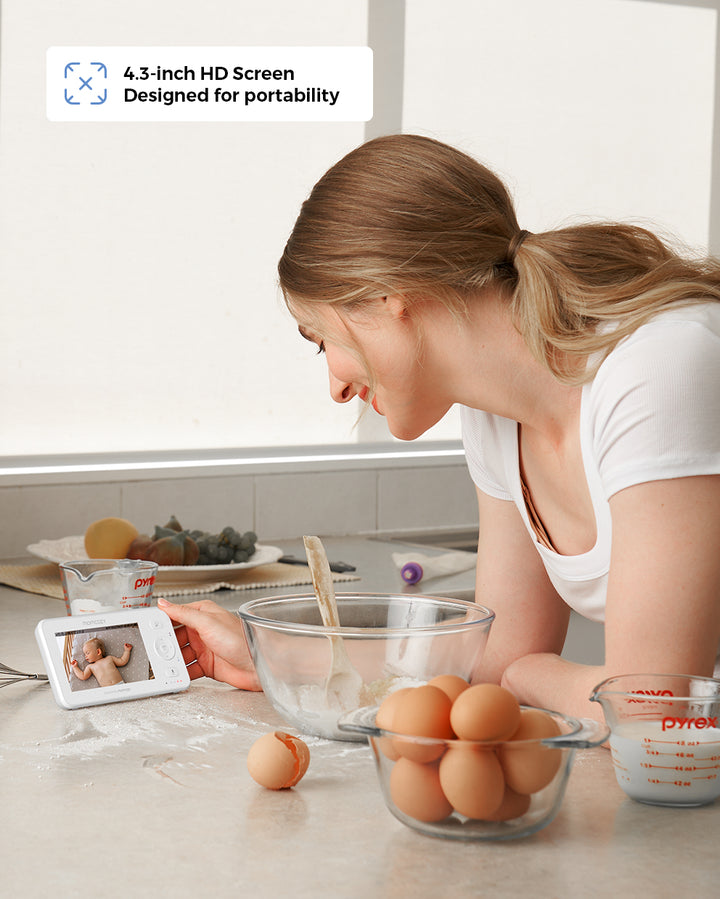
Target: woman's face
(382,339)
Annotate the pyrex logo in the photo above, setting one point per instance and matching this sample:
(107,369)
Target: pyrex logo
(649,693)
(144,582)
(671,722)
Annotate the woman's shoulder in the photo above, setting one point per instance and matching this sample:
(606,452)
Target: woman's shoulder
(492,428)
(696,321)
(490,441)
(653,408)
(676,342)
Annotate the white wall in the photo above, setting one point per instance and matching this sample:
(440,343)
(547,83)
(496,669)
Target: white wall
(587,108)
(138,261)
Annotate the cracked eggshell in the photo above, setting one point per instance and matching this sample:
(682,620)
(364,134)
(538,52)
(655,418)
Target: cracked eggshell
(278,760)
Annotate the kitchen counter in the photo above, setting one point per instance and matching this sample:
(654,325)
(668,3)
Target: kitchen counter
(153,798)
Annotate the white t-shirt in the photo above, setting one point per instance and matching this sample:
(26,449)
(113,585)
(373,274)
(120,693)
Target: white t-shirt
(652,412)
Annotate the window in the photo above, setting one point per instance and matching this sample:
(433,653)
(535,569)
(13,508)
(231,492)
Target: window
(140,309)
(139,260)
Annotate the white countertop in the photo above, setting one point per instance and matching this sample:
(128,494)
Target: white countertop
(153,798)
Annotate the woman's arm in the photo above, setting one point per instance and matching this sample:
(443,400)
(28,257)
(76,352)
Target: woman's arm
(512,581)
(663,608)
(663,603)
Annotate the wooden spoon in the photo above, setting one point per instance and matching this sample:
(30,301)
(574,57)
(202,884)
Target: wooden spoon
(344,687)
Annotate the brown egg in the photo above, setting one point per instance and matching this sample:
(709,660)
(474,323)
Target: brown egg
(529,768)
(386,713)
(450,684)
(485,712)
(415,789)
(422,712)
(513,805)
(384,719)
(472,780)
(278,760)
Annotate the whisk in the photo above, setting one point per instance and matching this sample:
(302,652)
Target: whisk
(11,676)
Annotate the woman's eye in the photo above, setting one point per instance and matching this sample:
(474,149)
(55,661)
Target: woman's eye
(307,336)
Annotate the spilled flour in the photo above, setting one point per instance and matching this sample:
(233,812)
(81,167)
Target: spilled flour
(192,720)
(155,729)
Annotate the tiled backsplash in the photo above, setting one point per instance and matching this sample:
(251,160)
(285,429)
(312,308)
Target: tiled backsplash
(275,505)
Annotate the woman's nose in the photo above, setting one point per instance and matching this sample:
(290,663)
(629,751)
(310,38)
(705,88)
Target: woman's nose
(341,391)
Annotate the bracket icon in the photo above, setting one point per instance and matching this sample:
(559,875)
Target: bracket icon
(85,83)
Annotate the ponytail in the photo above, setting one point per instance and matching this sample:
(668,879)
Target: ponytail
(408,215)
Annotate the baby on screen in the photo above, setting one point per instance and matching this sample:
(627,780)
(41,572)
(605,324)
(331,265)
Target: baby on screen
(102,667)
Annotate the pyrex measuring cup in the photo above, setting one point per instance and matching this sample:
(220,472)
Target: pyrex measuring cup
(107,585)
(665,736)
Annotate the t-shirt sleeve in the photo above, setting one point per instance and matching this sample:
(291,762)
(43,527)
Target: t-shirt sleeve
(484,440)
(655,406)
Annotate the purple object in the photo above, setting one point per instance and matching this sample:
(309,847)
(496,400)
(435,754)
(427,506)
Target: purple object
(411,572)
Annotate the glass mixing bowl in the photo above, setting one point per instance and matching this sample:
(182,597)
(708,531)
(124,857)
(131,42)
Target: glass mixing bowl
(390,641)
(415,791)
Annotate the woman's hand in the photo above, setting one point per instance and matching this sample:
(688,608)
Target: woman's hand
(548,681)
(212,641)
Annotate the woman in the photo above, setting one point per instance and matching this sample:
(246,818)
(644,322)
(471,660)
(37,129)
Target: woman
(586,362)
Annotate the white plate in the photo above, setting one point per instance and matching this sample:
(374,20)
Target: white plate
(67,549)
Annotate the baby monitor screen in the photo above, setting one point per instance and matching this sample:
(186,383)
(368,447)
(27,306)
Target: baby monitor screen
(104,656)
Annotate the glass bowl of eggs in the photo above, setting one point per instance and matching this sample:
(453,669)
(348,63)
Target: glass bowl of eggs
(313,673)
(469,762)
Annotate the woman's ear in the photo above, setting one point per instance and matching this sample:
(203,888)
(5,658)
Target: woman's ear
(395,305)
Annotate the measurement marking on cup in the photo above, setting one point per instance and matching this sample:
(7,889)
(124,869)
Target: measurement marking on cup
(655,762)
(679,783)
(677,755)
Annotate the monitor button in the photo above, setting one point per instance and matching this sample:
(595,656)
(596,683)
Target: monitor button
(165,648)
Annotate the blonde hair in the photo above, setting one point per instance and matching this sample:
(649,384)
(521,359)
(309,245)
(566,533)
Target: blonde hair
(408,215)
